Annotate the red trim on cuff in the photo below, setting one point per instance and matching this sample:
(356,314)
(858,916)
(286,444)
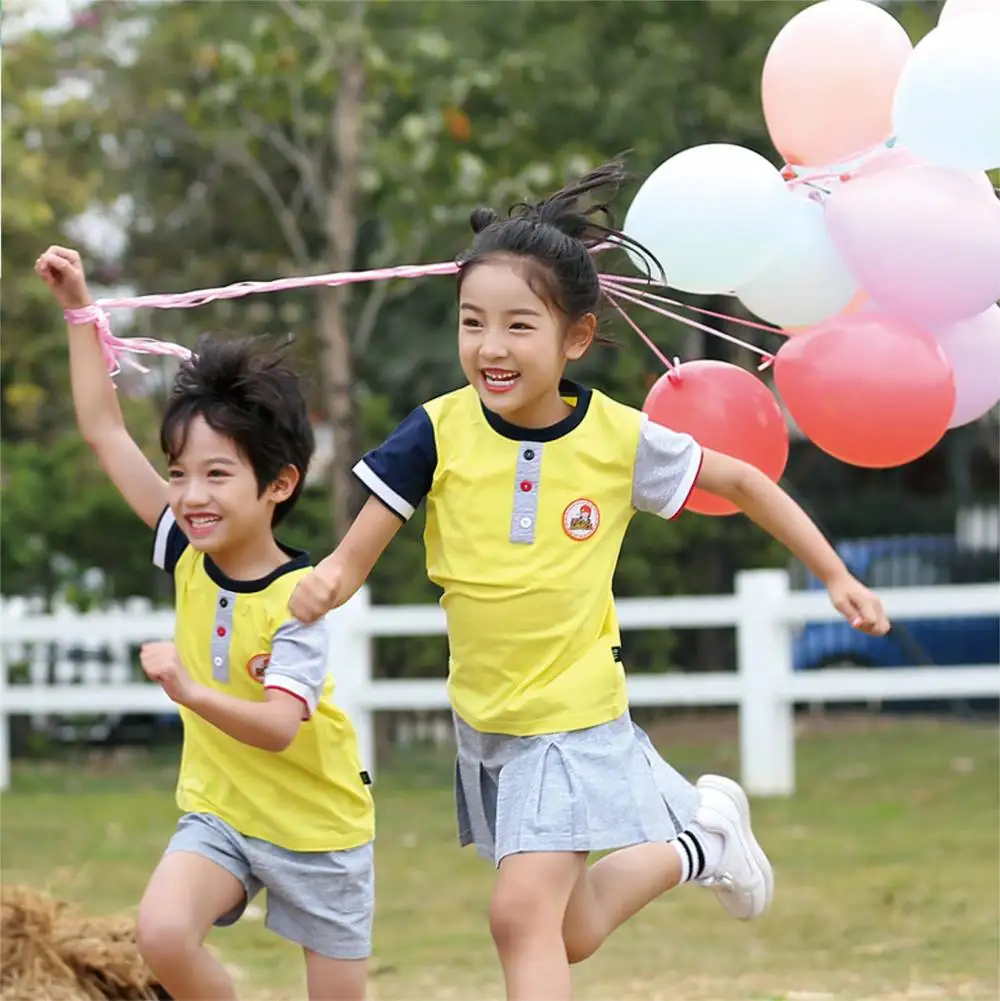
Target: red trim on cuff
(295,695)
(694,483)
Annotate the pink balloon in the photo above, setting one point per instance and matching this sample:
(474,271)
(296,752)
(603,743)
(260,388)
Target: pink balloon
(829,79)
(898,158)
(727,409)
(869,389)
(922,241)
(973,349)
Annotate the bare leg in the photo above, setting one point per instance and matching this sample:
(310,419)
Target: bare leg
(722,850)
(185,895)
(335,979)
(608,893)
(526,919)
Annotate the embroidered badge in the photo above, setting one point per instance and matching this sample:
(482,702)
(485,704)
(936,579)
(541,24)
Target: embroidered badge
(257,665)
(581,519)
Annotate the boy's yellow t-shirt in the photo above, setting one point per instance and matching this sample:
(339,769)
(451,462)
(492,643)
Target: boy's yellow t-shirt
(239,638)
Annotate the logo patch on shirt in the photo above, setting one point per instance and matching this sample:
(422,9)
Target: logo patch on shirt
(581,518)
(257,665)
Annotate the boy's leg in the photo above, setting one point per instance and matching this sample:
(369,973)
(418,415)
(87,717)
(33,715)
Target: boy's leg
(186,895)
(335,979)
(526,919)
(325,902)
(718,850)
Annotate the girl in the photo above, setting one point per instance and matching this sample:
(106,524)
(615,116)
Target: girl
(530,482)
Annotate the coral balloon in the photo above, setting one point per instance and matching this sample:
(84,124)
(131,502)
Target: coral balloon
(973,349)
(829,80)
(727,409)
(869,389)
(922,241)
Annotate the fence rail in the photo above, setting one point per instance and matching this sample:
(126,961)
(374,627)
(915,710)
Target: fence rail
(764,688)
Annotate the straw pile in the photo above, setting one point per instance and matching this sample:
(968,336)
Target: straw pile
(51,952)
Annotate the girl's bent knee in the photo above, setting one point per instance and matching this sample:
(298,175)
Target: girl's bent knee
(580,946)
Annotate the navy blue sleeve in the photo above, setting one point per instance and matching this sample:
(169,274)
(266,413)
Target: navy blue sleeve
(400,470)
(169,542)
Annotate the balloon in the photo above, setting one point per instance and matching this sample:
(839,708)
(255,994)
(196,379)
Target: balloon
(898,158)
(807,280)
(960,8)
(829,78)
(860,302)
(923,242)
(947,104)
(973,349)
(711,215)
(727,409)
(869,389)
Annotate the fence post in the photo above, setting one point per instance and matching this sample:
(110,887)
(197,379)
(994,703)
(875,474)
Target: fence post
(4,724)
(351,667)
(764,661)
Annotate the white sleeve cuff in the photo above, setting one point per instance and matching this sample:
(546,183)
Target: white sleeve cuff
(383,491)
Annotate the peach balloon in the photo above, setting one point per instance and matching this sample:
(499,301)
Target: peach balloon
(858,302)
(829,80)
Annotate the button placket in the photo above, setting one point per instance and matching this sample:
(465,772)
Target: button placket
(526,489)
(225,605)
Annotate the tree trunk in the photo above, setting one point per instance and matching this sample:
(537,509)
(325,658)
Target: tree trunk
(341,226)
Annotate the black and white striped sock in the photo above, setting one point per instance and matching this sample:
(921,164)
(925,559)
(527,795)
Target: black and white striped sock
(699,851)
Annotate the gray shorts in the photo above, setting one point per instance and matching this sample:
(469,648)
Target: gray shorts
(324,901)
(583,791)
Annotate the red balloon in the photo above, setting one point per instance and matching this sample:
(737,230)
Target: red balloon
(727,409)
(870,389)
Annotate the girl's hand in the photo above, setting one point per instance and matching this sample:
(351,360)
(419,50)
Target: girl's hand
(62,271)
(858,605)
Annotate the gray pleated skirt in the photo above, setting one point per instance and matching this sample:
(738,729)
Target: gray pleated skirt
(586,790)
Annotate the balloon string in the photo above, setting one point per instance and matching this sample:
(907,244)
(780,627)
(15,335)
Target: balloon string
(642,334)
(622,280)
(767,359)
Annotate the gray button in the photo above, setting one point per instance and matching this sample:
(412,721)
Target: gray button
(218,662)
(525,523)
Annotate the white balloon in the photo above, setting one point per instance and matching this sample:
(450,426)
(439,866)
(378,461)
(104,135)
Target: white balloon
(947,103)
(807,280)
(954,9)
(711,216)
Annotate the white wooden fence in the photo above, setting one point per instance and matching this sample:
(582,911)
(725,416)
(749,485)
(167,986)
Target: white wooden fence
(763,609)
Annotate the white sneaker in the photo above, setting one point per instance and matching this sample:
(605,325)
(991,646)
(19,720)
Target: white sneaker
(743,881)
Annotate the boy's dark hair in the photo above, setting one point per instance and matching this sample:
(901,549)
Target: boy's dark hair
(556,236)
(244,390)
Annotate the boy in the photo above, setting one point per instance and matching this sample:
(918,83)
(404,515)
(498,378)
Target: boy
(270,783)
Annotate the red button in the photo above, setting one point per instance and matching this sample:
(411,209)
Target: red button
(526,485)
(221,630)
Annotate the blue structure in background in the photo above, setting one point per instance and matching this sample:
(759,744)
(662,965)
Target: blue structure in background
(911,561)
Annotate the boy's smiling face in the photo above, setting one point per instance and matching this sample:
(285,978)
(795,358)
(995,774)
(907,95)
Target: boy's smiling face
(214,494)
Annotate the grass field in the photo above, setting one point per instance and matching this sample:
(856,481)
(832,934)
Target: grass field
(886,864)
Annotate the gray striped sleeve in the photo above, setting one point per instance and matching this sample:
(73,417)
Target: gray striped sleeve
(298,662)
(666,468)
